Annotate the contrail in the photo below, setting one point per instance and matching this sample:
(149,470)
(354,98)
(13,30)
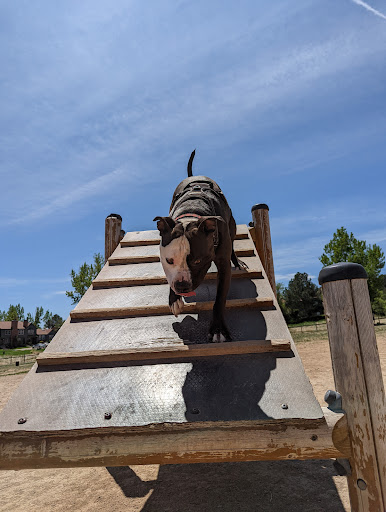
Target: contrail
(369,8)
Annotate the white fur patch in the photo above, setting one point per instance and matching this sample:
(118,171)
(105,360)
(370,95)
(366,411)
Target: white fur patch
(177,250)
(217,338)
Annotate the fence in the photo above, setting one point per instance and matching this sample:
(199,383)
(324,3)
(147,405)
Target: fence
(10,365)
(322,326)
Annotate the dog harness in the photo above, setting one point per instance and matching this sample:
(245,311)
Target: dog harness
(198,190)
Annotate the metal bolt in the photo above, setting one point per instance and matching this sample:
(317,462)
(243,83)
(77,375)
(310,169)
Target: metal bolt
(108,415)
(314,437)
(22,420)
(334,400)
(195,411)
(284,406)
(361,484)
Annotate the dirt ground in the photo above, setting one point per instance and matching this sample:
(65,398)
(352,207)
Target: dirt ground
(293,486)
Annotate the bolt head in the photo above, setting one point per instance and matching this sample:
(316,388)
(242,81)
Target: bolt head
(108,415)
(22,420)
(195,411)
(361,484)
(284,406)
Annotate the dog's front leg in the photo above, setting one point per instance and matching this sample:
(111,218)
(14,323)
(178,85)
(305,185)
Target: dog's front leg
(218,330)
(176,303)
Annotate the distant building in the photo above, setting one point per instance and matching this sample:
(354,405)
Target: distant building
(45,334)
(16,332)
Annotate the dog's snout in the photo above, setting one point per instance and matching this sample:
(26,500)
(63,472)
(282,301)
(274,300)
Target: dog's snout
(183,286)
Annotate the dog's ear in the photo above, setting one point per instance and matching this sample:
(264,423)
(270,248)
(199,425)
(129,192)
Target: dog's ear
(208,224)
(164,224)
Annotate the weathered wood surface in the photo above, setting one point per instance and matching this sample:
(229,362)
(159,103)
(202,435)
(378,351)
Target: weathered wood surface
(244,387)
(134,238)
(173,394)
(168,352)
(158,295)
(155,332)
(262,240)
(113,226)
(144,239)
(144,270)
(167,444)
(372,373)
(120,258)
(358,378)
(142,253)
(163,309)
(161,279)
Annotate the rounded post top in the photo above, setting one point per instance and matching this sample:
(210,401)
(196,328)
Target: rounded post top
(342,271)
(260,206)
(115,215)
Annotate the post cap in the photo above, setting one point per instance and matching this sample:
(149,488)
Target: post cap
(342,271)
(116,215)
(260,206)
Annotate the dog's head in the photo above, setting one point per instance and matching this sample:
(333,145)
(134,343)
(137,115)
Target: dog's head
(187,250)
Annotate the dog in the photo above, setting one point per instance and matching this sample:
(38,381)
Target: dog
(200,229)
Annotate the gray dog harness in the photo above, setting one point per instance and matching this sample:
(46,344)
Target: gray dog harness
(198,190)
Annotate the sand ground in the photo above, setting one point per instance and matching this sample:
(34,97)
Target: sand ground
(305,486)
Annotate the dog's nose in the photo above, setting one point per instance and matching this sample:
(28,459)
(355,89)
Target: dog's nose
(183,286)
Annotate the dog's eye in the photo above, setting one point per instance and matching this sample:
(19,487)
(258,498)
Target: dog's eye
(170,261)
(196,262)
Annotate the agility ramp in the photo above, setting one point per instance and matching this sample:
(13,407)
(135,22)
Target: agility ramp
(125,382)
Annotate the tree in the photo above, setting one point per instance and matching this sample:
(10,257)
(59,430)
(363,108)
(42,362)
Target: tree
(280,290)
(302,298)
(82,280)
(13,313)
(52,321)
(345,247)
(38,316)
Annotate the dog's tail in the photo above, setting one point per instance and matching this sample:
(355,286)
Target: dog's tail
(190,173)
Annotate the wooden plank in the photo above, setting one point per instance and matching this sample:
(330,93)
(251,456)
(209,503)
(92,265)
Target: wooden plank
(163,309)
(242,387)
(350,381)
(175,444)
(161,279)
(372,373)
(113,233)
(152,258)
(156,241)
(168,352)
(262,241)
(135,238)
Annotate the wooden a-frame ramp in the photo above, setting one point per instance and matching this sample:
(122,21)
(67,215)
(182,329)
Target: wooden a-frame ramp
(124,382)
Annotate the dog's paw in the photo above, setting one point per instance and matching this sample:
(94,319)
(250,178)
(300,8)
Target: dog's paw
(217,337)
(218,333)
(241,265)
(177,307)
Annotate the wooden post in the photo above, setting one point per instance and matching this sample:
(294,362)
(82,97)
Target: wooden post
(358,377)
(261,235)
(113,233)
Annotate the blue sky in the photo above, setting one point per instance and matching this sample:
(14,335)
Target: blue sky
(103,102)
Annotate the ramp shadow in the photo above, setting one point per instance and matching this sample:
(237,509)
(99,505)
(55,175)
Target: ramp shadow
(247,486)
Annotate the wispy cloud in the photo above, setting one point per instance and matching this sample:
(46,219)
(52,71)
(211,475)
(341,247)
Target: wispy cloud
(369,8)
(53,294)
(126,113)
(94,187)
(8,282)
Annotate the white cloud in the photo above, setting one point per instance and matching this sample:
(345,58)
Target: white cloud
(9,282)
(369,8)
